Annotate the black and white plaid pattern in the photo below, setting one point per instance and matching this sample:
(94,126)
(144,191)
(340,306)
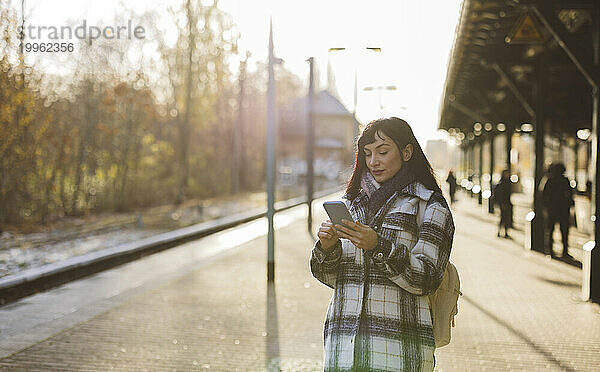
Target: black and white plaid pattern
(389,285)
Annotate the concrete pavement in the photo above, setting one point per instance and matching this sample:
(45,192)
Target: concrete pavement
(185,309)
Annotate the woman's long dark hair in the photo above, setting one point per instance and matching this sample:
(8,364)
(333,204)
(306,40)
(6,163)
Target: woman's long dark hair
(401,133)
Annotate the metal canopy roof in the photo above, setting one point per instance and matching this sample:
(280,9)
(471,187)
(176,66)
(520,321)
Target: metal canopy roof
(492,78)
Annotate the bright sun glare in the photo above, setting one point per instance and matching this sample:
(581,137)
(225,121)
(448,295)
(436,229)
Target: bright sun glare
(405,79)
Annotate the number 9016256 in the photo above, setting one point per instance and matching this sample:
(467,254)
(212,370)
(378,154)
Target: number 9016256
(49,47)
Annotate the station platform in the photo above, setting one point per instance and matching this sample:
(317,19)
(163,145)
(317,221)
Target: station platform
(206,305)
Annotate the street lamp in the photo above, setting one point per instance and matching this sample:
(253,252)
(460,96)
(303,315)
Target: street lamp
(379,89)
(373,49)
(270,158)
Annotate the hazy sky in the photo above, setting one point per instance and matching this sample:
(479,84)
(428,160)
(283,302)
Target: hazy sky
(415,38)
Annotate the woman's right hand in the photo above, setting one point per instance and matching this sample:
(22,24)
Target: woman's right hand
(327,235)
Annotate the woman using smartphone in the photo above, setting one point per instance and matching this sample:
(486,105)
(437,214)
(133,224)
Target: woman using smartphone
(383,264)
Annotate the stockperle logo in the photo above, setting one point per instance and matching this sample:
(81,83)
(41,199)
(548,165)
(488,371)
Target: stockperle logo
(36,33)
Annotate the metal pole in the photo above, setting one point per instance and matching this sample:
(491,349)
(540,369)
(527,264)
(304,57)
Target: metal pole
(490,201)
(508,146)
(355,126)
(595,254)
(513,89)
(586,74)
(537,228)
(271,135)
(310,146)
(467,160)
(470,167)
(576,162)
(480,170)
(463,159)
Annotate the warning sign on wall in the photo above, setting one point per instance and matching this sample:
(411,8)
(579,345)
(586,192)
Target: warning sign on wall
(526,31)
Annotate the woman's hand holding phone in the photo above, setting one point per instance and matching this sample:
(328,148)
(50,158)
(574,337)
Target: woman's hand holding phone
(327,235)
(362,236)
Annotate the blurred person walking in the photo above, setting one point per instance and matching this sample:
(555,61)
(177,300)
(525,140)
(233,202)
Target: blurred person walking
(451,180)
(501,194)
(384,264)
(557,197)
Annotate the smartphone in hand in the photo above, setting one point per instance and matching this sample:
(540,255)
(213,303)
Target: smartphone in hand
(336,211)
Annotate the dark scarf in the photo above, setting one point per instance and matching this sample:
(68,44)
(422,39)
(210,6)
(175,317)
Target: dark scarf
(378,194)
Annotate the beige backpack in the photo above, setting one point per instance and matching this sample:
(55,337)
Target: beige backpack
(443,303)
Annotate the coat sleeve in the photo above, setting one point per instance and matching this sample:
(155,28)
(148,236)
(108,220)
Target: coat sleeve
(420,270)
(324,266)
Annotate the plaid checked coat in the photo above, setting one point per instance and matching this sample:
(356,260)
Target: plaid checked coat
(378,317)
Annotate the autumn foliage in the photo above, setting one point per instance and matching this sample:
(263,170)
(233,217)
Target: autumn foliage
(112,136)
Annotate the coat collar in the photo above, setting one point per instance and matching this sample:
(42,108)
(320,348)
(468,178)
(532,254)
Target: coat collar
(414,188)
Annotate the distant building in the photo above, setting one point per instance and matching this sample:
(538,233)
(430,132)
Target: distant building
(334,130)
(437,154)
